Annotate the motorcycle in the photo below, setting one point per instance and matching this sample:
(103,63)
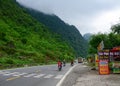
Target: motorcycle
(59,67)
(72,63)
(64,64)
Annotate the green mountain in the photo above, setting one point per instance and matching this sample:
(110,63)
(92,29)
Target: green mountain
(24,40)
(68,32)
(87,36)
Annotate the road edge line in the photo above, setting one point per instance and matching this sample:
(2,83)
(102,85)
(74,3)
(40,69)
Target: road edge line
(61,81)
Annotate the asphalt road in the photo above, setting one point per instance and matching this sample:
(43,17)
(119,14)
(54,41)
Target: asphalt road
(33,76)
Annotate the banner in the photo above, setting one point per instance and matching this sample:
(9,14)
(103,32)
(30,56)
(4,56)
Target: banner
(103,67)
(116,67)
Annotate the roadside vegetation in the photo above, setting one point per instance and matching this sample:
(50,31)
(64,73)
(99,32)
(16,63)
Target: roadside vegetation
(110,40)
(25,41)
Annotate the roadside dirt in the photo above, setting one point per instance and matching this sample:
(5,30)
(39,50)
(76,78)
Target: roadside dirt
(92,78)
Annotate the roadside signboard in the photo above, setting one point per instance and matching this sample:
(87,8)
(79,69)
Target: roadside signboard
(103,67)
(115,55)
(96,61)
(116,67)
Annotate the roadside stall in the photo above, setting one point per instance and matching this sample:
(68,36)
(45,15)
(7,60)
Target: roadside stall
(103,62)
(115,58)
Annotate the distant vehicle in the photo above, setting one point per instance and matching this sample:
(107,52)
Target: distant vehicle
(80,59)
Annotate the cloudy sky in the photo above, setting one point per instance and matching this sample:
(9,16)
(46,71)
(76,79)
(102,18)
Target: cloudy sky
(89,16)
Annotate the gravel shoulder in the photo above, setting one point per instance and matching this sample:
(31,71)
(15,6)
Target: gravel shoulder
(77,71)
(82,75)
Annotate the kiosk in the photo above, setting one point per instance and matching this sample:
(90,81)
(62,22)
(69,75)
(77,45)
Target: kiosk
(115,58)
(103,62)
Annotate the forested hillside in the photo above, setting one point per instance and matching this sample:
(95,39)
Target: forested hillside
(87,36)
(24,40)
(68,32)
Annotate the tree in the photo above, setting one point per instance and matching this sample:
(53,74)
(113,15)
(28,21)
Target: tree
(116,28)
(94,42)
(110,40)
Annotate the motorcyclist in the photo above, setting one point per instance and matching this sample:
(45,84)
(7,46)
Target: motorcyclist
(72,62)
(59,65)
(64,63)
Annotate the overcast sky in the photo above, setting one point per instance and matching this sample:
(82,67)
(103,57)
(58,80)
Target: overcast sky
(89,16)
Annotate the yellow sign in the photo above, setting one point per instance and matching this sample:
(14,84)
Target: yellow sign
(96,60)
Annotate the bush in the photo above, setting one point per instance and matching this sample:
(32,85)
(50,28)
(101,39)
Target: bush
(9,61)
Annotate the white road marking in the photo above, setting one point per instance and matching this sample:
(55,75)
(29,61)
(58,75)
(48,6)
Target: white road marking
(4,72)
(1,72)
(63,78)
(7,74)
(30,75)
(34,75)
(84,66)
(20,74)
(38,76)
(58,76)
(48,76)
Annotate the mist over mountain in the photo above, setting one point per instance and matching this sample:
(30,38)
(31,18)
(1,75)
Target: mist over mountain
(68,32)
(87,36)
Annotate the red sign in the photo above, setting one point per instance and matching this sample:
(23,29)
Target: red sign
(103,67)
